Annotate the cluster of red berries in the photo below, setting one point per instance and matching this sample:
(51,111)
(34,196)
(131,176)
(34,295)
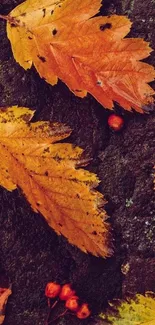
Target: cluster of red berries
(67,294)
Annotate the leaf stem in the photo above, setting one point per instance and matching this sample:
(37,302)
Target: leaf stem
(50,309)
(48,315)
(61,315)
(14,22)
(54,304)
(4,17)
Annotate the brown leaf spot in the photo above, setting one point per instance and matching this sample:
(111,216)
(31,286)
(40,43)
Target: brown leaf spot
(13,25)
(3,109)
(57,158)
(54,31)
(105,26)
(47,150)
(41,58)
(60,224)
(44,12)
(29,37)
(4,120)
(26,117)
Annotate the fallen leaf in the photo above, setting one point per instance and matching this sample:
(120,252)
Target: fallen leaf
(139,310)
(4,295)
(63,41)
(46,171)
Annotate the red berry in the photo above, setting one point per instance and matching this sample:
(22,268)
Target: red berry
(72,303)
(66,292)
(83,312)
(115,122)
(52,290)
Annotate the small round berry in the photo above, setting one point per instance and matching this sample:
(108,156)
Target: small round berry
(66,292)
(83,312)
(72,303)
(115,122)
(52,289)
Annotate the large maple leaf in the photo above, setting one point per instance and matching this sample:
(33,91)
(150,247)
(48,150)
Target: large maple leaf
(45,170)
(89,54)
(140,310)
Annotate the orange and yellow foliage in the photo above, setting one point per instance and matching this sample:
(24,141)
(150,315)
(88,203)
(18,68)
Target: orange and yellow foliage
(90,54)
(33,160)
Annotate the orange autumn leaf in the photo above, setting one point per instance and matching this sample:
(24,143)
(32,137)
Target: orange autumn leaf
(91,55)
(33,159)
(4,295)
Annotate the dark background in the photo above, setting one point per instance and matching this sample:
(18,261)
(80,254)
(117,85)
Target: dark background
(31,254)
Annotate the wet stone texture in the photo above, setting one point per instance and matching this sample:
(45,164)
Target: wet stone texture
(31,254)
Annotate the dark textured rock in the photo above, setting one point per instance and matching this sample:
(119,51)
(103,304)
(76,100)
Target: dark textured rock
(31,253)
(140,275)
